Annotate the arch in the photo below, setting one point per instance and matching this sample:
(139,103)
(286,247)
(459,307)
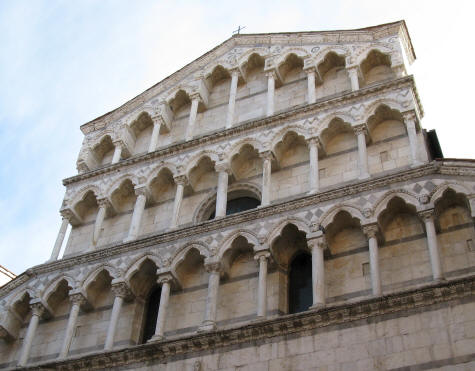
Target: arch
(392,104)
(337,49)
(217,73)
(329,61)
(299,52)
(327,120)
(92,275)
(179,97)
(301,224)
(116,183)
(381,48)
(291,62)
(82,192)
(236,147)
(300,296)
(183,251)
(52,287)
(244,58)
(438,192)
(19,295)
(329,215)
(406,196)
(134,267)
(298,129)
(155,170)
(195,159)
(249,235)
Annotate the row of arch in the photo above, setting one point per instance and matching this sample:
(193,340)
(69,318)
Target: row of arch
(329,73)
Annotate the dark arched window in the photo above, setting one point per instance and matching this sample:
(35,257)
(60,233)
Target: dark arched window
(300,283)
(151,313)
(236,205)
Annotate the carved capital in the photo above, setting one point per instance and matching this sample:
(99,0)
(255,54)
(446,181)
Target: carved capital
(104,202)
(262,254)
(267,155)
(120,289)
(314,141)
(70,215)
(222,167)
(409,116)
(181,179)
(213,267)
(164,277)
(38,309)
(360,129)
(272,74)
(370,230)
(196,96)
(77,298)
(426,214)
(142,190)
(316,240)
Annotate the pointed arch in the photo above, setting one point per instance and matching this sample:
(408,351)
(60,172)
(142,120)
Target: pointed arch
(92,275)
(195,159)
(82,192)
(381,48)
(438,192)
(299,52)
(155,170)
(244,58)
(337,49)
(330,214)
(183,251)
(301,224)
(53,286)
(236,147)
(135,266)
(249,235)
(392,104)
(406,196)
(297,128)
(20,294)
(116,183)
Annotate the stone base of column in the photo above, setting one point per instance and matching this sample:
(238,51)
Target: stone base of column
(317,306)
(155,338)
(417,164)
(312,192)
(207,326)
(364,176)
(128,239)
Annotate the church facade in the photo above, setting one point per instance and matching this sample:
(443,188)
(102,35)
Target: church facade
(273,205)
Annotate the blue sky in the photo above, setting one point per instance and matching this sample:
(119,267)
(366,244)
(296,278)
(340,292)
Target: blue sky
(63,63)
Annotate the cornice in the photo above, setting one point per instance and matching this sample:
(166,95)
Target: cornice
(462,289)
(465,168)
(299,112)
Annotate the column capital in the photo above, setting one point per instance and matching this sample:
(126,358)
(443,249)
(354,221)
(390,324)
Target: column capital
(196,96)
(164,277)
(162,115)
(267,155)
(409,116)
(370,230)
(38,308)
(222,167)
(78,298)
(142,190)
(70,215)
(361,128)
(261,254)
(426,214)
(272,73)
(314,141)
(104,202)
(121,290)
(316,240)
(235,71)
(213,267)
(181,179)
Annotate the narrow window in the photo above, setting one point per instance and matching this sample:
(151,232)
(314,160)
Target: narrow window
(300,283)
(151,314)
(236,205)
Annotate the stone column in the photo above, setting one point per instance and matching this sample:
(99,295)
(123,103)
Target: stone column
(371,231)
(209,322)
(59,239)
(266,177)
(360,132)
(103,204)
(410,121)
(117,152)
(311,85)
(154,139)
(428,217)
(222,193)
(232,98)
(37,310)
(180,181)
(316,243)
(77,299)
(271,76)
(195,100)
(139,207)
(165,281)
(262,257)
(313,173)
(353,73)
(121,293)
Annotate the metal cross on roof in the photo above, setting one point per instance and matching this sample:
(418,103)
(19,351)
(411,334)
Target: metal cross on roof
(238,31)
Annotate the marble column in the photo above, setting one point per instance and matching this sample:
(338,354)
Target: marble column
(180,182)
(371,233)
(121,293)
(428,218)
(262,257)
(209,323)
(37,310)
(316,243)
(311,85)
(154,138)
(360,132)
(195,100)
(271,76)
(103,204)
(222,192)
(410,121)
(117,152)
(313,173)
(165,281)
(232,98)
(353,73)
(139,208)
(267,157)
(77,299)
(59,239)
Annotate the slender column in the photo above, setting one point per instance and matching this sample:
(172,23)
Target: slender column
(317,244)
(353,73)
(139,207)
(313,174)
(101,214)
(121,293)
(180,181)
(222,193)
(311,85)
(165,281)
(154,139)
(59,239)
(360,131)
(117,152)
(266,177)
(371,232)
(410,120)
(232,98)
(77,299)
(428,217)
(262,257)
(195,99)
(271,76)
(209,322)
(37,310)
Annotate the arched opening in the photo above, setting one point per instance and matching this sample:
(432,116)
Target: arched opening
(251,97)
(238,204)
(87,207)
(293,92)
(151,314)
(246,163)
(376,67)
(300,283)
(334,78)
(104,151)
(142,128)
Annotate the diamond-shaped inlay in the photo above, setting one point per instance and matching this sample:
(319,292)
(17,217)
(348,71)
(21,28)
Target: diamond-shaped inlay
(319,213)
(417,188)
(308,215)
(372,198)
(362,201)
(429,186)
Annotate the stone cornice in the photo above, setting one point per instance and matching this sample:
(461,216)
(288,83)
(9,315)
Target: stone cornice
(457,168)
(400,302)
(367,34)
(299,112)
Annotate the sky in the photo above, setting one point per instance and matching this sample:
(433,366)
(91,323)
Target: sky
(64,63)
